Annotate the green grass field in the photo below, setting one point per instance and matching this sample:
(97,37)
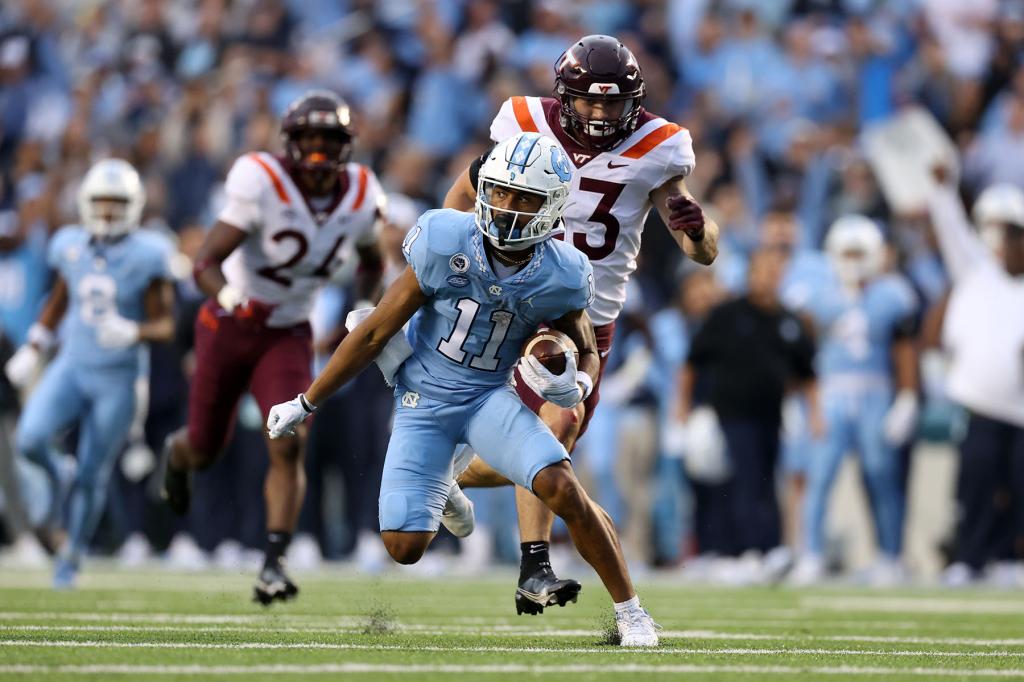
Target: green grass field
(145,625)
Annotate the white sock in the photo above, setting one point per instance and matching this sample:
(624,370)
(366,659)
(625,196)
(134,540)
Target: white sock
(629,605)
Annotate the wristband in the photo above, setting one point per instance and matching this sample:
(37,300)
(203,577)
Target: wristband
(41,336)
(585,383)
(306,405)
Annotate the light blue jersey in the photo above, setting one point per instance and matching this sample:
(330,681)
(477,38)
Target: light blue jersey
(104,278)
(23,284)
(468,336)
(858,332)
(466,341)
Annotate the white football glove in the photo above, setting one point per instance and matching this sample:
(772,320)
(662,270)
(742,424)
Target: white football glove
(116,332)
(901,419)
(284,417)
(565,389)
(230,298)
(23,366)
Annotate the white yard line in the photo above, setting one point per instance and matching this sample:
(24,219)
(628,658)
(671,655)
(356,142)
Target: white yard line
(703,651)
(417,669)
(909,605)
(523,631)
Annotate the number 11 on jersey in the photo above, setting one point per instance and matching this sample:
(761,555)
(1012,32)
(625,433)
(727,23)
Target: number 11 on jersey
(451,347)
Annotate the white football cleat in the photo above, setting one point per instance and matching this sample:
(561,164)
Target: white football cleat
(809,570)
(457,516)
(636,628)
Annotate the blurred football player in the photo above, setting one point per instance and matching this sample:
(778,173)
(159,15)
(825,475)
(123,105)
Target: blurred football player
(113,292)
(868,375)
(627,160)
(475,288)
(288,224)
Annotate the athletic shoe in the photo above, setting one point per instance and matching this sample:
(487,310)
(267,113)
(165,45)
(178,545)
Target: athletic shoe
(457,516)
(176,489)
(544,588)
(636,628)
(273,583)
(65,574)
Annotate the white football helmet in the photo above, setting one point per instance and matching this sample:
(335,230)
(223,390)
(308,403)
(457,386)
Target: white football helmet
(116,181)
(527,162)
(997,206)
(856,247)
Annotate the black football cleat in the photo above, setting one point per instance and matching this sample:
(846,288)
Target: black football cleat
(544,588)
(176,489)
(273,583)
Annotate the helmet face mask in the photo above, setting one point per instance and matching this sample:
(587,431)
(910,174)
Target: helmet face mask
(599,72)
(522,191)
(111,199)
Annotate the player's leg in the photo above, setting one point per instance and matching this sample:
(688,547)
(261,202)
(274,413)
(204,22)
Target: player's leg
(56,402)
(826,455)
(417,474)
(104,430)
(281,373)
(223,367)
(882,476)
(527,453)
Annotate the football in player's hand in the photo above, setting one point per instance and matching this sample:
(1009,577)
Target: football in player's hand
(549,346)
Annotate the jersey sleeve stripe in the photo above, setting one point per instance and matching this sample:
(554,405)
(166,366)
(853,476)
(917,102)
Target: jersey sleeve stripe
(364,177)
(278,185)
(651,140)
(523,116)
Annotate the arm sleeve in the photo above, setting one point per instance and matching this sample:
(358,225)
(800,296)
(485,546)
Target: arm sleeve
(418,255)
(55,248)
(379,200)
(961,248)
(243,189)
(678,156)
(504,124)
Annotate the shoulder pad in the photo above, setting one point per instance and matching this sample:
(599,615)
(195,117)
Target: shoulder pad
(445,230)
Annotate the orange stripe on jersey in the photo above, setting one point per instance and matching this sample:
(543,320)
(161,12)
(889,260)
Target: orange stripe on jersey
(523,116)
(651,140)
(364,177)
(278,185)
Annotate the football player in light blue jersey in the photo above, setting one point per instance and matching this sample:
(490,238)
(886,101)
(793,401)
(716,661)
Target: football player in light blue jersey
(113,293)
(476,287)
(867,368)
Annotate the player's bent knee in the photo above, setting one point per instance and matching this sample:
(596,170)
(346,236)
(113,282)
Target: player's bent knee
(564,422)
(287,451)
(561,492)
(404,548)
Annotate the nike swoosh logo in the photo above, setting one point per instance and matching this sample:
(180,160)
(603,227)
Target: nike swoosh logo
(534,549)
(617,165)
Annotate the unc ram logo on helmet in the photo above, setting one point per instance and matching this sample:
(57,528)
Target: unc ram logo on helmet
(528,162)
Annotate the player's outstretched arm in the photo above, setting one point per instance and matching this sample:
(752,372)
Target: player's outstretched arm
(462,195)
(23,366)
(221,240)
(696,234)
(365,342)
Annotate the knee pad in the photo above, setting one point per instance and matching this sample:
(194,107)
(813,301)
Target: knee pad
(394,510)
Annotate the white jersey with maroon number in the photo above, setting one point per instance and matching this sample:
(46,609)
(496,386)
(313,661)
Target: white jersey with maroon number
(292,248)
(610,196)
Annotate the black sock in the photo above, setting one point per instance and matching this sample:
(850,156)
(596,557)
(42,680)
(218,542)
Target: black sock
(277,545)
(535,557)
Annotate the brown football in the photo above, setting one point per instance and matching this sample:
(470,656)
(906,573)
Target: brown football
(549,346)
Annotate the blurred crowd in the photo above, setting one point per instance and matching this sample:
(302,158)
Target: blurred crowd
(776,95)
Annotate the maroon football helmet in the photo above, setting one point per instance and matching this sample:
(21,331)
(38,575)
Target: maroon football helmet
(601,68)
(324,112)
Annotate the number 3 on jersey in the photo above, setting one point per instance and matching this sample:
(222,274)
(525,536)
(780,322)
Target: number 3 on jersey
(609,192)
(451,347)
